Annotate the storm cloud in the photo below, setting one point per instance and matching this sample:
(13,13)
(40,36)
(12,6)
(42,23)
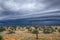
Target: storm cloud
(20,9)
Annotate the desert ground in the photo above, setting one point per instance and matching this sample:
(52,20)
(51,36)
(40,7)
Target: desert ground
(23,33)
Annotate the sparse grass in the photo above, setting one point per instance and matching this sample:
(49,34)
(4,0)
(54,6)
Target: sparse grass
(30,36)
(22,35)
(56,38)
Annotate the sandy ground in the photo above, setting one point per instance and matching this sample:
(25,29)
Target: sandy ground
(21,35)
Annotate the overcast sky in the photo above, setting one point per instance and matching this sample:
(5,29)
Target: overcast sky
(20,9)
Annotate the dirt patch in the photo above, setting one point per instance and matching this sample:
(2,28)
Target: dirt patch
(11,37)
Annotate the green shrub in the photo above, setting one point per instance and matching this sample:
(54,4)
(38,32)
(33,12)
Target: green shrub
(56,28)
(1,29)
(48,30)
(59,30)
(34,31)
(27,27)
(1,38)
(30,30)
(11,32)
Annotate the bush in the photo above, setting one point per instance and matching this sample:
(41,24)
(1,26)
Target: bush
(48,30)
(1,38)
(2,29)
(11,32)
(27,27)
(56,28)
(30,30)
(59,30)
(34,31)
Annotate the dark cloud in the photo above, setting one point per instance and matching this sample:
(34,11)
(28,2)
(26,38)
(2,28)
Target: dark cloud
(20,9)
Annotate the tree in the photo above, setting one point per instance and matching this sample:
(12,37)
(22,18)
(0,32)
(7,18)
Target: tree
(36,31)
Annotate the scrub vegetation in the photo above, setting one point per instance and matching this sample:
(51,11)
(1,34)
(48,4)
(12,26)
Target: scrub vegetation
(29,32)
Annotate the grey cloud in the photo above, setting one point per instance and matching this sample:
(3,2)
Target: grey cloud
(19,9)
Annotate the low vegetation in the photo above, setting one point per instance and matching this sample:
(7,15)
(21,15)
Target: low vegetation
(1,38)
(30,32)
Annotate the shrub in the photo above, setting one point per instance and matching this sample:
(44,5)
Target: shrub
(30,30)
(56,28)
(2,29)
(11,32)
(27,27)
(48,30)
(1,38)
(34,31)
(59,30)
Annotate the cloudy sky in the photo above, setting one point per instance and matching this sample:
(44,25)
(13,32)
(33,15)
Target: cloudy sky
(33,9)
